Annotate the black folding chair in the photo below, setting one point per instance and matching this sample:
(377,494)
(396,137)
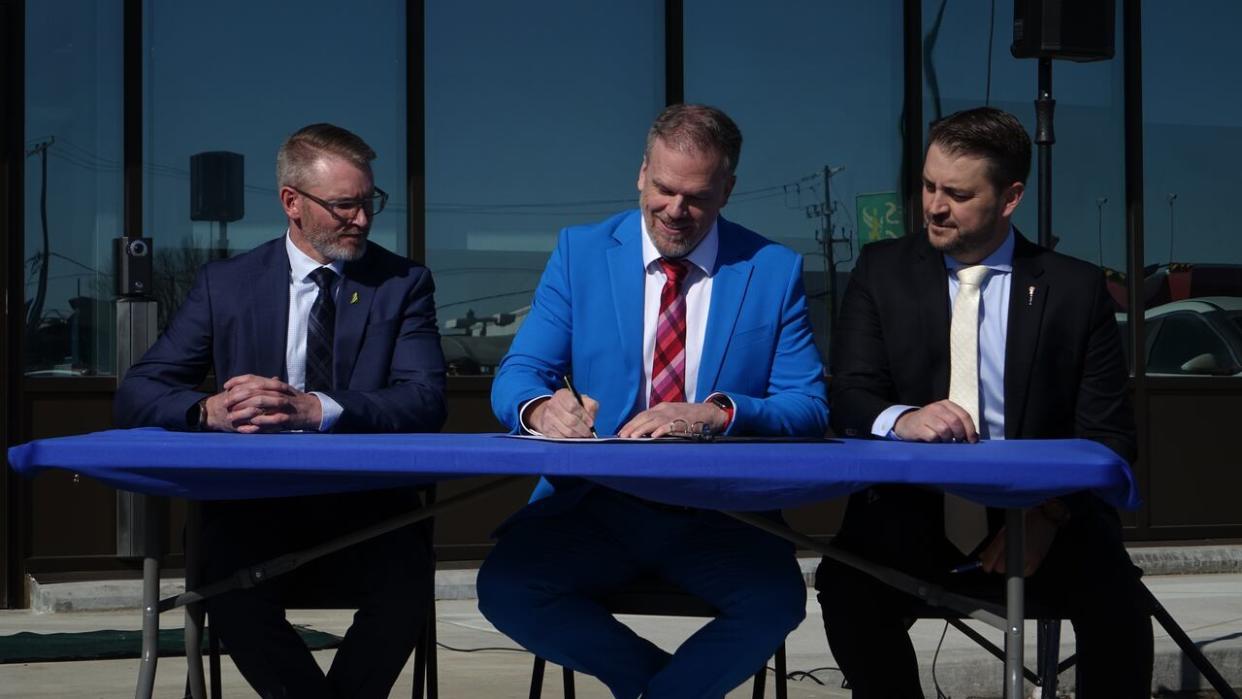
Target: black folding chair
(652,596)
(1048,644)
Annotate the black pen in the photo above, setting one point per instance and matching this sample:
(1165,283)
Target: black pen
(968,567)
(578,397)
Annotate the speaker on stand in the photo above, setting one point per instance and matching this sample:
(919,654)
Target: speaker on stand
(1075,30)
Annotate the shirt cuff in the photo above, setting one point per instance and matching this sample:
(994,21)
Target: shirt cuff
(522,415)
(883,425)
(329,411)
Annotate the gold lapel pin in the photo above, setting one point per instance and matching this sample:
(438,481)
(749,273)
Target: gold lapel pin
(354,298)
(1030,295)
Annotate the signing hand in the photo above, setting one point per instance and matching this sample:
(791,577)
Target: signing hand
(560,416)
(252,403)
(659,421)
(1040,531)
(942,421)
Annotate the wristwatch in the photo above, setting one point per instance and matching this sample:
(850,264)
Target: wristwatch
(722,401)
(196,417)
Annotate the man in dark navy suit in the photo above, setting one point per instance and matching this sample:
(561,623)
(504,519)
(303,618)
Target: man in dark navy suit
(318,330)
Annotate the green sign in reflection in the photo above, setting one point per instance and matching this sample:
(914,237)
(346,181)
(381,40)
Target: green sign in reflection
(879,217)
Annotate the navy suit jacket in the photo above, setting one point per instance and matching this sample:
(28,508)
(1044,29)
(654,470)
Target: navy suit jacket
(587,320)
(388,368)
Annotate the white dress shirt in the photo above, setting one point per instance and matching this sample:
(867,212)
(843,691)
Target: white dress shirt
(697,287)
(993,325)
(302,294)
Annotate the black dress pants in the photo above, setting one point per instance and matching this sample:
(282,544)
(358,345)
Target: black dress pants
(1086,576)
(388,579)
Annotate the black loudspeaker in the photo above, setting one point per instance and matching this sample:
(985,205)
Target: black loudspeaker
(1080,30)
(133,266)
(216,181)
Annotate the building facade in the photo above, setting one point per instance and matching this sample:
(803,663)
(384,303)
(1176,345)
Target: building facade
(498,123)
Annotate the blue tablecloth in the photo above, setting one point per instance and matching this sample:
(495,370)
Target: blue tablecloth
(721,475)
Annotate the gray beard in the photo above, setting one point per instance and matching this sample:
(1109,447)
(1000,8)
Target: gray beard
(339,253)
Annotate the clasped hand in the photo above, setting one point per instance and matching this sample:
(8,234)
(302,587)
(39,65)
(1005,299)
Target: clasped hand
(561,416)
(250,404)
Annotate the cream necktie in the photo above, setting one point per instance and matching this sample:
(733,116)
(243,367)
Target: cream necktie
(965,522)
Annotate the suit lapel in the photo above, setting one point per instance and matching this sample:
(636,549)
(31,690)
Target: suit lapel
(1028,295)
(931,301)
(269,317)
(353,307)
(729,283)
(626,277)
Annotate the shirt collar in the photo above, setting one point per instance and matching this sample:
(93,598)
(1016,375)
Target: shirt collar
(301,264)
(702,256)
(1001,259)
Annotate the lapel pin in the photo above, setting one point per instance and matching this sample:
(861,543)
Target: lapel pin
(354,298)
(1030,295)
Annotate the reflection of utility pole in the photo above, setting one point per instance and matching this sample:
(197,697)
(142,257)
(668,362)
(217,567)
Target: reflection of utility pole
(35,315)
(1172,198)
(825,238)
(1099,225)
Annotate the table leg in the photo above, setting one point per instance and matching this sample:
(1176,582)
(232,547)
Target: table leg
(1015,559)
(150,626)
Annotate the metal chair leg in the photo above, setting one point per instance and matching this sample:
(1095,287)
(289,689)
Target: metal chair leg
(782,674)
(567,677)
(761,681)
(1048,644)
(213,664)
(536,678)
(420,665)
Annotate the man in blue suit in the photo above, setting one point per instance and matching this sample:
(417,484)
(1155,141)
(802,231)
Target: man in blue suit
(670,319)
(317,330)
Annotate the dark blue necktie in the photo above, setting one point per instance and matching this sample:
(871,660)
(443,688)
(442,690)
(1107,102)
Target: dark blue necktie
(319,332)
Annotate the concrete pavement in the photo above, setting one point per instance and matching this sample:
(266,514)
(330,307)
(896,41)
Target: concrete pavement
(480,662)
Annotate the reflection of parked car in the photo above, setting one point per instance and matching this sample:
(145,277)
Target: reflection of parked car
(1196,336)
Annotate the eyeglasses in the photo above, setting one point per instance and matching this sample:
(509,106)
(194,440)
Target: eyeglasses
(346,210)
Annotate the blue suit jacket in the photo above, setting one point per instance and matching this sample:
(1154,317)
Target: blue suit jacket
(388,369)
(587,320)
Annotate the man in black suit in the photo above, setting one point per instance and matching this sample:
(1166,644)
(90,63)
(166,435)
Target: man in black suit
(1041,359)
(318,330)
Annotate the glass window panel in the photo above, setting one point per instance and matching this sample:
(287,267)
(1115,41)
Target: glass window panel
(241,76)
(1192,142)
(527,132)
(73,185)
(816,89)
(967,63)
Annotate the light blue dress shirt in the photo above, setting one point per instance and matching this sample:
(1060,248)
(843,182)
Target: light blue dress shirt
(993,324)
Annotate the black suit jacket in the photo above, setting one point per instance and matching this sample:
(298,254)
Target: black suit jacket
(388,368)
(1065,371)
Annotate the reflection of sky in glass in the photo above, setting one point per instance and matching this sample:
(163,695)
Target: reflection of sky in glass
(241,76)
(528,132)
(536,116)
(817,85)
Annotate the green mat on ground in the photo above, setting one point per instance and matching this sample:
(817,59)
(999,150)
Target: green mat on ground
(28,647)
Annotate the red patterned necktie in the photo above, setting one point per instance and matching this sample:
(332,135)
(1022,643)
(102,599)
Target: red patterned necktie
(668,366)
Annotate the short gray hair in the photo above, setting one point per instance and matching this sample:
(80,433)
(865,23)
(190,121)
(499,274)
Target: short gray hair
(698,127)
(299,153)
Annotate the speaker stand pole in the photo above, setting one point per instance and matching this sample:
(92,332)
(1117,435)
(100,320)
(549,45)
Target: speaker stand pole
(1044,138)
(222,244)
